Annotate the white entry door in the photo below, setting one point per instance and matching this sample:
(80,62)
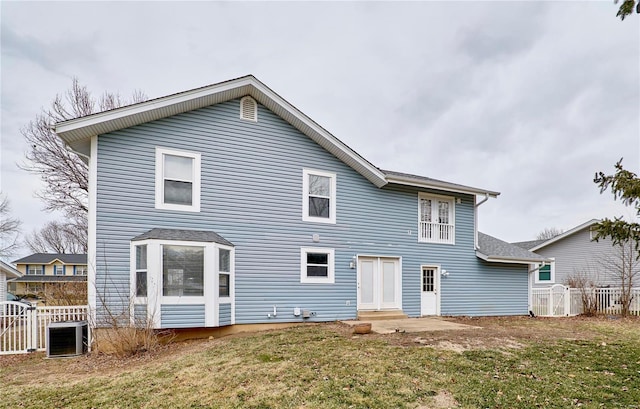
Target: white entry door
(379,283)
(429,290)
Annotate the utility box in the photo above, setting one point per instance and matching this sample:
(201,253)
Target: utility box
(306,314)
(68,338)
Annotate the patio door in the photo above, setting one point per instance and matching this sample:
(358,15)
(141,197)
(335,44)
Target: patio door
(429,298)
(379,283)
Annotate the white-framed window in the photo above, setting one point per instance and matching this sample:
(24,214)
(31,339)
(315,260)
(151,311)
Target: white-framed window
(546,274)
(182,271)
(224,273)
(81,270)
(249,109)
(318,196)
(58,270)
(177,180)
(317,265)
(436,216)
(35,269)
(141,271)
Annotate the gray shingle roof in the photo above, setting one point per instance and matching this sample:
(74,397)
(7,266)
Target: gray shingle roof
(29,278)
(183,235)
(529,244)
(46,258)
(498,249)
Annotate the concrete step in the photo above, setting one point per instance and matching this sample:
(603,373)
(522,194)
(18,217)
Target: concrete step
(381,315)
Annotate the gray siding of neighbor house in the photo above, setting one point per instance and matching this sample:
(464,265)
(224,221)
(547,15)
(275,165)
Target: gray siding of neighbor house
(225,314)
(578,255)
(252,196)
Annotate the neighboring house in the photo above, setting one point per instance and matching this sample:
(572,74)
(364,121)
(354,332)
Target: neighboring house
(6,272)
(41,269)
(227,205)
(574,254)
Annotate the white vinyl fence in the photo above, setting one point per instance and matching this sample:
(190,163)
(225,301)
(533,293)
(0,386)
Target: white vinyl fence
(561,301)
(24,328)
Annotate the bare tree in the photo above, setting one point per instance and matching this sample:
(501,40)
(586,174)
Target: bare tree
(57,237)
(9,229)
(65,174)
(624,267)
(548,233)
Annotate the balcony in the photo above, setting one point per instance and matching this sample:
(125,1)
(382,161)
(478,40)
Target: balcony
(437,233)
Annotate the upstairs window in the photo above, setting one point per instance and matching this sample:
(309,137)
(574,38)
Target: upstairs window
(81,270)
(35,270)
(177,180)
(249,109)
(319,196)
(436,219)
(58,270)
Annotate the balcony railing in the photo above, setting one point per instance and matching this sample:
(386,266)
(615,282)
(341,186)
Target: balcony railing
(437,233)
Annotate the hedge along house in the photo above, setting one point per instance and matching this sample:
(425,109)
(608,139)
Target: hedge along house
(227,205)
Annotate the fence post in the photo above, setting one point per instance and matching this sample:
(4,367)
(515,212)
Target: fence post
(567,301)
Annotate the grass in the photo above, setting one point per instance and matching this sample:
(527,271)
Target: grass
(323,366)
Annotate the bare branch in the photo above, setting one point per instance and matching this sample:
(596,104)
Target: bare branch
(9,229)
(66,175)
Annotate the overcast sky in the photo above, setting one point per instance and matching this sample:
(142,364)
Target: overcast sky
(528,99)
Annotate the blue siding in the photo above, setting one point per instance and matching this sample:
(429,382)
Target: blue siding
(252,196)
(140,314)
(182,316)
(225,314)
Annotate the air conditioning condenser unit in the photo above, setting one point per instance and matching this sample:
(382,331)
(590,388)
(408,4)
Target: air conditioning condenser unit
(68,338)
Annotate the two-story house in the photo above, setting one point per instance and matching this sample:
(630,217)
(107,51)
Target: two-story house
(40,270)
(227,205)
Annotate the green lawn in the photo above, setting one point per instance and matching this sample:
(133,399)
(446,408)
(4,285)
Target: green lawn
(510,363)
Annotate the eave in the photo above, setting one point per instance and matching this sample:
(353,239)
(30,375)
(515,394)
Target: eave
(439,185)
(77,132)
(509,260)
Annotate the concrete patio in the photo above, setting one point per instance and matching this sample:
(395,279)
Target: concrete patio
(424,324)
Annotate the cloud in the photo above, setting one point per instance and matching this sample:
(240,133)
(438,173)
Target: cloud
(47,54)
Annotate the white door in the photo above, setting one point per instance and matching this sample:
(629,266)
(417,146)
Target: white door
(429,293)
(379,283)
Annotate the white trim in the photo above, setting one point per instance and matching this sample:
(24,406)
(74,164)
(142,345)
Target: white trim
(437,283)
(536,273)
(155,298)
(305,196)
(159,182)
(76,130)
(330,279)
(565,234)
(434,211)
(254,108)
(91,230)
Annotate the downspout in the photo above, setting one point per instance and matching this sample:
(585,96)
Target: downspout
(475,219)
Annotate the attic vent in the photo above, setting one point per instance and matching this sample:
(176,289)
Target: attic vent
(249,109)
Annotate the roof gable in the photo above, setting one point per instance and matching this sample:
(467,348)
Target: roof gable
(77,132)
(8,270)
(565,234)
